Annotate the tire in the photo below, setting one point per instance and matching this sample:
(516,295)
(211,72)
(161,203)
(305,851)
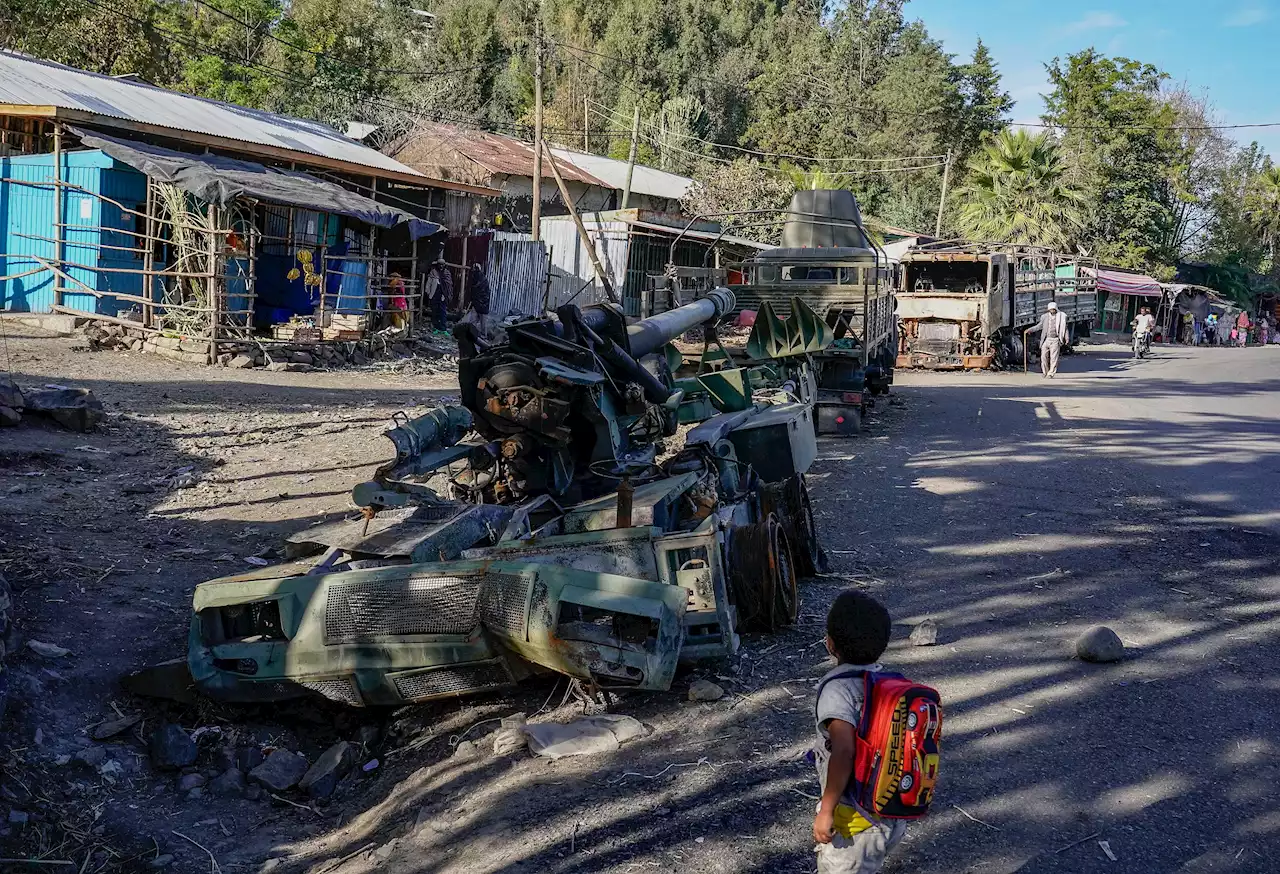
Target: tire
(762,578)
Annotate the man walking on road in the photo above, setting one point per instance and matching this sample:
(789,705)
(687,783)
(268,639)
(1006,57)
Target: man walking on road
(1053,334)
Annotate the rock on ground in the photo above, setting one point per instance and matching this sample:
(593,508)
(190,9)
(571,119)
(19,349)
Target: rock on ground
(77,409)
(172,748)
(9,417)
(10,394)
(1100,644)
(705,690)
(322,777)
(282,770)
(925,634)
(229,784)
(241,362)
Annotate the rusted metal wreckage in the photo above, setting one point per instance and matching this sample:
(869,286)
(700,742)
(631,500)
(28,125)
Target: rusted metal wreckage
(534,528)
(544,524)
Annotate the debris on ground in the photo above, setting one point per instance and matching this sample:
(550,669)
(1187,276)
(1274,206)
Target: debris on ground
(47,650)
(1100,644)
(172,748)
(582,737)
(280,771)
(510,736)
(76,409)
(334,764)
(924,634)
(705,690)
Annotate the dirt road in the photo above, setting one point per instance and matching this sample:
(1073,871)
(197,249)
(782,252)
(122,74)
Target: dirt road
(1014,512)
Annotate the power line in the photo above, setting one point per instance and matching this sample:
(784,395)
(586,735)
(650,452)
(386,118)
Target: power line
(745,88)
(327,57)
(283,75)
(807,158)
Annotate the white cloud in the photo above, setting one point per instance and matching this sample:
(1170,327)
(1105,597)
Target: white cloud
(1247,16)
(1096,21)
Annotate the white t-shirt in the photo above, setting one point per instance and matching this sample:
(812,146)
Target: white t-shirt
(1146,322)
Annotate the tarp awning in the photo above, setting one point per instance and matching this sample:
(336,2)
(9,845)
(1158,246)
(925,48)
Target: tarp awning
(221,180)
(1134,284)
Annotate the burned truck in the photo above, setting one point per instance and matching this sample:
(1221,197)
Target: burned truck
(827,267)
(537,526)
(967,306)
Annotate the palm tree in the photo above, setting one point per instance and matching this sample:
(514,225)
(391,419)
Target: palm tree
(1263,209)
(1015,193)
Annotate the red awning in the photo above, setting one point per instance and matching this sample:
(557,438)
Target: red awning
(1128,283)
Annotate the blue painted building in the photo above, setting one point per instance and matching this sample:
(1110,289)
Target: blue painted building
(93,229)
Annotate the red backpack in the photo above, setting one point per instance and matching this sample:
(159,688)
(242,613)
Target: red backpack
(899,740)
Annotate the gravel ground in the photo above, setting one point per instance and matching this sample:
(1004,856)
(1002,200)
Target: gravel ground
(1013,511)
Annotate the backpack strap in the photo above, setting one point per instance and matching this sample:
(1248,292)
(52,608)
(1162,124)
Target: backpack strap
(838,674)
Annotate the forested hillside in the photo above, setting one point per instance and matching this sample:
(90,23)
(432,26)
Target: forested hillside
(753,98)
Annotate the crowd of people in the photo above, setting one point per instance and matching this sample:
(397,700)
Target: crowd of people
(1215,330)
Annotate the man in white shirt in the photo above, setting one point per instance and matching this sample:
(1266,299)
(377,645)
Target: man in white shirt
(1053,335)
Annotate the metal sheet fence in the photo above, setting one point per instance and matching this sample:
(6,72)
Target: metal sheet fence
(517,271)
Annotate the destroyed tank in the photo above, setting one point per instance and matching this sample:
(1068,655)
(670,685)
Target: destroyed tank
(533,529)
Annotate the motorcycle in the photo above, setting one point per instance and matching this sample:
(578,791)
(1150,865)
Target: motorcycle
(1141,344)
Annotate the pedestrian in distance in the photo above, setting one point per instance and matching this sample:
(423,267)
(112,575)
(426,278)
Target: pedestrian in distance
(480,294)
(1053,336)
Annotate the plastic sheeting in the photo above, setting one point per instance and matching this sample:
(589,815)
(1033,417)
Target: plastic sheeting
(221,180)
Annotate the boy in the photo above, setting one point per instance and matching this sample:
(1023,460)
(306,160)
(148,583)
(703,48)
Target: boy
(849,840)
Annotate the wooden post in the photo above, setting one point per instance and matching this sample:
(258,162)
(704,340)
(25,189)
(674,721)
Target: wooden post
(413,281)
(536,224)
(149,256)
(942,201)
(59,251)
(213,284)
(631,158)
(463,302)
(582,229)
(252,289)
(586,124)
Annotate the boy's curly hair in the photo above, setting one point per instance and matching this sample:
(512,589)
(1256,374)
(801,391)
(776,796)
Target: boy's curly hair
(859,627)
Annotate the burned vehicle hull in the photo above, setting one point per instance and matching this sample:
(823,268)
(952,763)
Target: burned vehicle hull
(532,530)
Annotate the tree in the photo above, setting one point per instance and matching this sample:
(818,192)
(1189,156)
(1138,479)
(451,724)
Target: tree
(987,105)
(743,185)
(1015,193)
(1118,149)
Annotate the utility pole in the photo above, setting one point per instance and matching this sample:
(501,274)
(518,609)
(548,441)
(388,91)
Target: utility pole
(631,158)
(586,124)
(942,201)
(536,224)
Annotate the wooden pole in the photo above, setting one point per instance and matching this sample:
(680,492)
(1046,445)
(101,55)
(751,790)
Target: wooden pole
(631,158)
(586,124)
(149,256)
(59,251)
(214,316)
(582,229)
(942,201)
(536,223)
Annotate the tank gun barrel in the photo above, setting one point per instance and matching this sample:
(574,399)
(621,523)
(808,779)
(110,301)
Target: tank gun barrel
(651,334)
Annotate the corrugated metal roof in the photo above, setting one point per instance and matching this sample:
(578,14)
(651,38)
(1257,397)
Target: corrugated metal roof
(27,81)
(645,180)
(495,154)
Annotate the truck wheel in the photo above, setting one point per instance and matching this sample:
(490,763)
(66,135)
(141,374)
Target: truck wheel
(762,578)
(789,502)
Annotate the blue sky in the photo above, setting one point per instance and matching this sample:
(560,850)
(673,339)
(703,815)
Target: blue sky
(1229,48)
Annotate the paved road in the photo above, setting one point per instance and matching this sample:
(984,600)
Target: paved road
(1020,512)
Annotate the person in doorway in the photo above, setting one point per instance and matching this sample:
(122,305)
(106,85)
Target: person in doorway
(1242,329)
(480,294)
(1053,336)
(439,293)
(849,840)
(397,303)
(1264,332)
